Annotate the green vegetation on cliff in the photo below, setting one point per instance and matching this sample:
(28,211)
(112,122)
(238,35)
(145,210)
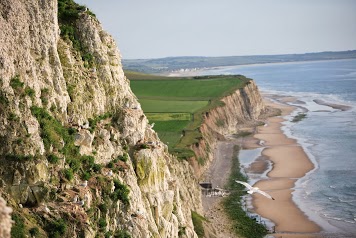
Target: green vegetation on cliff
(177,105)
(68,14)
(198,223)
(244,225)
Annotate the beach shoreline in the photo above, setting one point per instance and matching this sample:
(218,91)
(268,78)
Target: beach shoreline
(198,71)
(280,151)
(289,163)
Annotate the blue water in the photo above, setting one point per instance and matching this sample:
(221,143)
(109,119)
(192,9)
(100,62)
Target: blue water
(328,193)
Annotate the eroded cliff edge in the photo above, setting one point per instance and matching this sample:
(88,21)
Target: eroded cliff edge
(77,155)
(242,108)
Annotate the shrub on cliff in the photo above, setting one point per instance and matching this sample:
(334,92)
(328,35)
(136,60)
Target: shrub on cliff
(18,228)
(121,192)
(16,83)
(56,228)
(68,14)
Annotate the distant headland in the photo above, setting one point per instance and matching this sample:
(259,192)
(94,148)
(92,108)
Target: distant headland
(188,63)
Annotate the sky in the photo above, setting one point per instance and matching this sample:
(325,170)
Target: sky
(165,28)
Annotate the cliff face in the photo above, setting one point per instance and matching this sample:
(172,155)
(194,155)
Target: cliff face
(242,108)
(77,156)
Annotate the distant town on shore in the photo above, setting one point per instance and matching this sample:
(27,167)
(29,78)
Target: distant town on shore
(188,63)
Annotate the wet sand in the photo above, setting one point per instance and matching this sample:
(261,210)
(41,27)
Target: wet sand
(290,162)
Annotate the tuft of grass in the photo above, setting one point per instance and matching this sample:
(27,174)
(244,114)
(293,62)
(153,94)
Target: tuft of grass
(30,92)
(18,228)
(34,231)
(68,174)
(56,229)
(123,157)
(102,223)
(94,121)
(121,192)
(103,208)
(44,96)
(51,129)
(53,159)
(198,223)
(13,117)
(16,83)
(3,99)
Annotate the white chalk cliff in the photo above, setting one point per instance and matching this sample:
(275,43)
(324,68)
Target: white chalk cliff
(67,114)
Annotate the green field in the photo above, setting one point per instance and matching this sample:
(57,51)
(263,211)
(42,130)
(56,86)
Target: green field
(175,116)
(170,132)
(176,105)
(185,89)
(150,105)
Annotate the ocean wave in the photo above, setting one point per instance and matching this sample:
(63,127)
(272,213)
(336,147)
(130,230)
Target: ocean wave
(310,96)
(347,200)
(330,216)
(336,218)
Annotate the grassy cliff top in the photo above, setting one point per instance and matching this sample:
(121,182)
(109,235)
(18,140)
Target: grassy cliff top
(176,105)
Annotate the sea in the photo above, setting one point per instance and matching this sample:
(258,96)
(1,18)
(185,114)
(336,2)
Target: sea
(327,194)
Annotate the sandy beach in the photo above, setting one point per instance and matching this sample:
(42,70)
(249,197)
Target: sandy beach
(290,162)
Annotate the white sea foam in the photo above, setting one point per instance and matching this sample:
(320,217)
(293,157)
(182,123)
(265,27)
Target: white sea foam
(322,134)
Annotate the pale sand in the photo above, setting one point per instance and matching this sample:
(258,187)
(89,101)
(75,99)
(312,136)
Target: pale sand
(289,163)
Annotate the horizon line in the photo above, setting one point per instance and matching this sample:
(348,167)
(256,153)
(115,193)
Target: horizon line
(197,56)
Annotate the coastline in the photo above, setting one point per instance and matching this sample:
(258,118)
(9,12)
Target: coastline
(198,71)
(281,152)
(318,185)
(289,163)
